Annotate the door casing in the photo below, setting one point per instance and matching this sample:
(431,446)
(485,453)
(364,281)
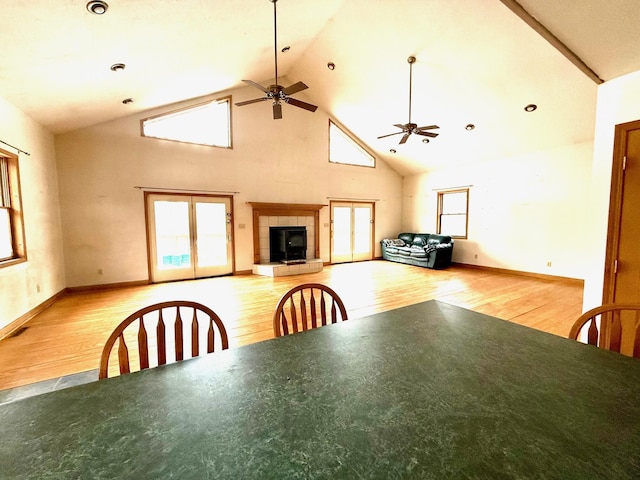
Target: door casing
(353,256)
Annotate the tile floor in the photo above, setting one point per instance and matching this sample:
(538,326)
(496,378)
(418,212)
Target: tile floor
(14,394)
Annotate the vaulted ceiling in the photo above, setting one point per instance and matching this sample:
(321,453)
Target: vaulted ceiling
(478,63)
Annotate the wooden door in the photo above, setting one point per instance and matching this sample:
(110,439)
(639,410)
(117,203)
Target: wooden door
(351,231)
(188,236)
(622,263)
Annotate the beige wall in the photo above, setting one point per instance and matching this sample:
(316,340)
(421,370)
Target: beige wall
(618,102)
(26,285)
(524,211)
(271,161)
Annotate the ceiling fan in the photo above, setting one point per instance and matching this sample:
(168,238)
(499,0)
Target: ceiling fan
(277,93)
(409,128)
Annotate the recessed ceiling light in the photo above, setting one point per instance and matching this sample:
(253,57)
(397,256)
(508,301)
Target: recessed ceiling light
(331,66)
(531,107)
(285,49)
(127,101)
(470,126)
(118,67)
(425,140)
(393,150)
(97,7)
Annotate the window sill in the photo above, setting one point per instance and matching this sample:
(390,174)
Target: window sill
(12,261)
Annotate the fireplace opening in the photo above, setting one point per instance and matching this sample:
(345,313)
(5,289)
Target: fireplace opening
(288,244)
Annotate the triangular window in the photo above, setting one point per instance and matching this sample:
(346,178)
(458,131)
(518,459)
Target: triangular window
(344,149)
(204,124)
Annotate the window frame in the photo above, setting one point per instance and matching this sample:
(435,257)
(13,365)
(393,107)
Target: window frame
(355,141)
(16,217)
(440,214)
(226,99)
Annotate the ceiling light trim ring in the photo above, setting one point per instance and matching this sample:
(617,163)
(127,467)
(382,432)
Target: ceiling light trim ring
(97,7)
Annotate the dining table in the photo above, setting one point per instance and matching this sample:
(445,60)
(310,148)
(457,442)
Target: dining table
(426,391)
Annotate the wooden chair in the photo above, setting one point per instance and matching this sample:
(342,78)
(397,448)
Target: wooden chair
(199,327)
(614,326)
(306,306)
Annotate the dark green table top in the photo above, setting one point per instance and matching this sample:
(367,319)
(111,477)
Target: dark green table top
(427,391)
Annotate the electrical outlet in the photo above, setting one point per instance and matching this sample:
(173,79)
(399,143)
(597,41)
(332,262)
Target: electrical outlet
(475,256)
(99,271)
(549,263)
(38,288)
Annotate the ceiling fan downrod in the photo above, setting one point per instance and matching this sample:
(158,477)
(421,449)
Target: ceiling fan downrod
(411,61)
(275,38)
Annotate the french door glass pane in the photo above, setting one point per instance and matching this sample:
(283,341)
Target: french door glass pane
(6,248)
(361,227)
(341,230)
(173,243)
(211,221)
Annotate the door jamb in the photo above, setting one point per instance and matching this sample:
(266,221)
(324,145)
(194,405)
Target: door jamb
(615,208)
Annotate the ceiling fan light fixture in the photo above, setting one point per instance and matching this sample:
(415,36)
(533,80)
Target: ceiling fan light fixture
(118,67)
(470,126)
(97,7)
(276,93)
(532,107)
(409,128)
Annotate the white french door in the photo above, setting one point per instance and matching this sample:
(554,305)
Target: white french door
(351,231)
(189,236)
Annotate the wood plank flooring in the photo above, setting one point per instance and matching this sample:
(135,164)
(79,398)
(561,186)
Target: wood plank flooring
(68,337)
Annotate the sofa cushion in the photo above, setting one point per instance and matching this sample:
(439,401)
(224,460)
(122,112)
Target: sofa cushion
(418,252)
(393,242)
(433,238)
(406,237)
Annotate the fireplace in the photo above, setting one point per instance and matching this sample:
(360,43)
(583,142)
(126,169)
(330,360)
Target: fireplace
(288,244)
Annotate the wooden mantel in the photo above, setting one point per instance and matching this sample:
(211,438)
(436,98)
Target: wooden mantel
(283,210)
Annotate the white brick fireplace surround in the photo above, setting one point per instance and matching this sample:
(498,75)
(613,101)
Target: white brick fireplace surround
(267,215)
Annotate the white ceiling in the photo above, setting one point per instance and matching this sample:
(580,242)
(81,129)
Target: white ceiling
(477,62)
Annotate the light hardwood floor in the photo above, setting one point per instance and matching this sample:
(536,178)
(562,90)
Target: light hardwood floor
(68,337)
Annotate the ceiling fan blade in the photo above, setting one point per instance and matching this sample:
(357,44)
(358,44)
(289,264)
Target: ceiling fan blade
(388,135)
(257,85)
(403,127)
(428,134)
(298,103)
(277,111)
(295,88)
(404,139)
(247,102)
(430,127)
